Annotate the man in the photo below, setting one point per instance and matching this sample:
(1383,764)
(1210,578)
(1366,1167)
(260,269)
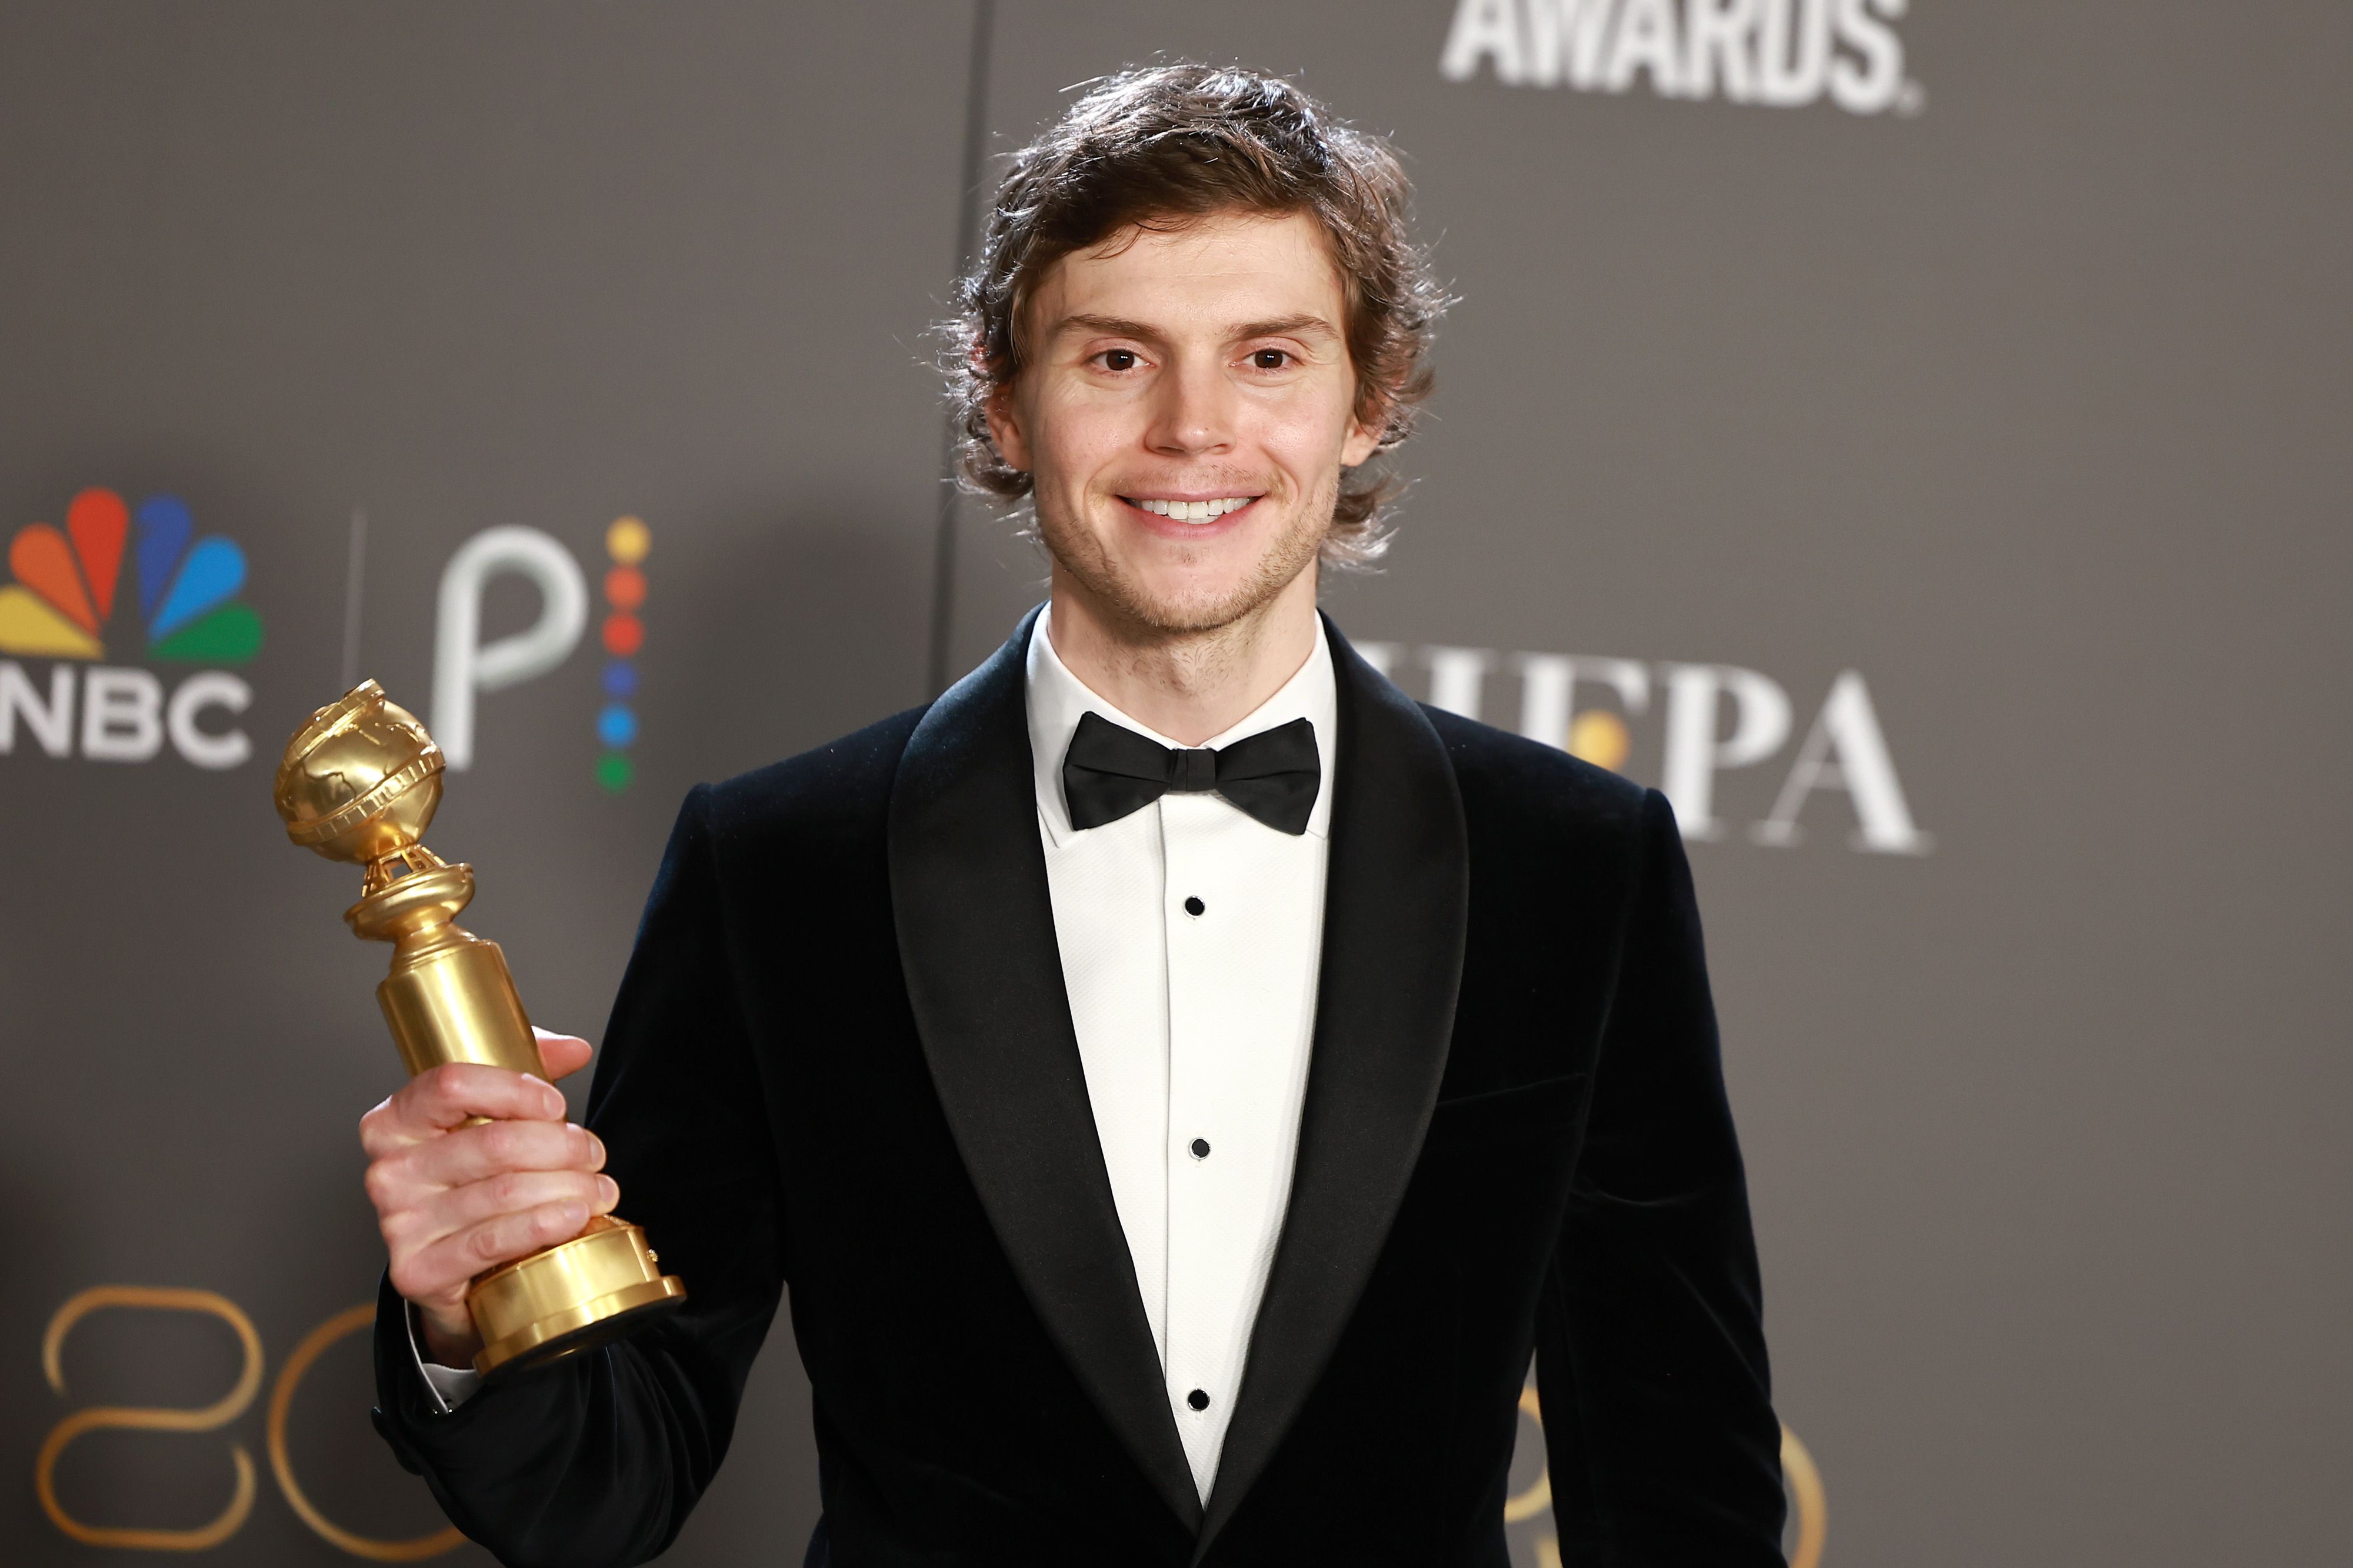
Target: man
(1181,1080)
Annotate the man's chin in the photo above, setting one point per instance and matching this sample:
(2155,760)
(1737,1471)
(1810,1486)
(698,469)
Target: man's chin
(1193,610)
(1207,592)
(1181,608)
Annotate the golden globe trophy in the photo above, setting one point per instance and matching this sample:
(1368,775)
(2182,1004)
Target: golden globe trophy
(360,782)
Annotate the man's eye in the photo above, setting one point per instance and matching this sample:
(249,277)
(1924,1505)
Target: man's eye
(1118,359)
(1270,359)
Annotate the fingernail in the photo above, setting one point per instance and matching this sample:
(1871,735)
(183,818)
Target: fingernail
(608,1192)
(575,1215)
(596,1151)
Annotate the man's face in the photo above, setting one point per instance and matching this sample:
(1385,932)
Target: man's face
(1186,412)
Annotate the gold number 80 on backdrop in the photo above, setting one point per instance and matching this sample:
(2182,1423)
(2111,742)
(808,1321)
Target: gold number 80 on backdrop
(210,1417)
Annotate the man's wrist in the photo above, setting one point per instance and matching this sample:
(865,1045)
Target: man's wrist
(447,1386)
(448,1346)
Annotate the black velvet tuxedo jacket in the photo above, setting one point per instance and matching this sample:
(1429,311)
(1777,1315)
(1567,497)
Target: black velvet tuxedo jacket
(842,1060)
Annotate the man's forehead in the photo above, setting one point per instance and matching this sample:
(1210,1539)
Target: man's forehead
(1249,266)
(1211,234)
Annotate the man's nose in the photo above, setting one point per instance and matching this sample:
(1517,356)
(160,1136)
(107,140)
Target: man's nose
(1194,408)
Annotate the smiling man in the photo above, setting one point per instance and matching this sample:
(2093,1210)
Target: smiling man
(1181,1080)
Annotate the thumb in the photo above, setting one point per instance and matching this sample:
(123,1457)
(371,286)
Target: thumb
(564,1055)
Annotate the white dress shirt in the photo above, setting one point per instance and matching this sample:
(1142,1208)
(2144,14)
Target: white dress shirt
(1190,935)
(450,1386)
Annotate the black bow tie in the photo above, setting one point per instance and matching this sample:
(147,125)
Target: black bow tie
(1111,770)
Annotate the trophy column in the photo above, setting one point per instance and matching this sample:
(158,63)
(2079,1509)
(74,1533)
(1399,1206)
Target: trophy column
(360,782)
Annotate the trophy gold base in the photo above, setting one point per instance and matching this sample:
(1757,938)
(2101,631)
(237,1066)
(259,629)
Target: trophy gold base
(575,1295)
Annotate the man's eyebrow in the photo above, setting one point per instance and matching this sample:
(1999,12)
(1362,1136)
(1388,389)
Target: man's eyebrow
(1301,326)
(1108,326)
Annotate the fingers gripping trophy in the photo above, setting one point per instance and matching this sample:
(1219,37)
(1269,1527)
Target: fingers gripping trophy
(360,782)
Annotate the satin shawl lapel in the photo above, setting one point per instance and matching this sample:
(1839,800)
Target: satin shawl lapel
(976,925)
(1397,900)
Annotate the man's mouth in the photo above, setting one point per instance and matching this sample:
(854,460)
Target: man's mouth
(1188,510)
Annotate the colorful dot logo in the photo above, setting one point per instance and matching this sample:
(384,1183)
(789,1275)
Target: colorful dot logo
(627,543)
(65,585)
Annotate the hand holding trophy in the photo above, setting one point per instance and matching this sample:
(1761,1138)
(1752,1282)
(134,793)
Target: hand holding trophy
(360,782)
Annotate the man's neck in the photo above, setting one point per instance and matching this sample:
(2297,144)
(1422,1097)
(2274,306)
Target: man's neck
(1189,686)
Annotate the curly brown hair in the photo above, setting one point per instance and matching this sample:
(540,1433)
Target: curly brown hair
(1161,148)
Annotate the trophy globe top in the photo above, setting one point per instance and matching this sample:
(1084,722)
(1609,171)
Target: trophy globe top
(361,780)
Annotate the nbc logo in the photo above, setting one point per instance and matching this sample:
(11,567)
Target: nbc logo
(63,598)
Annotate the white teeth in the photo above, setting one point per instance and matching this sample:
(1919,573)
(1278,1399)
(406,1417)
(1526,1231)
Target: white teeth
(1194,510)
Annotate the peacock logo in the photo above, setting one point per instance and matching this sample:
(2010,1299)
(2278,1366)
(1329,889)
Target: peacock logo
(59,606)
(66,584)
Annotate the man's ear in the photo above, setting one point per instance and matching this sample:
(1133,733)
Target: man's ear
(1005,428)
(1364,436)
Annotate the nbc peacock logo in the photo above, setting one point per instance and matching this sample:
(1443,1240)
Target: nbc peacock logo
(64,591)
(68,585)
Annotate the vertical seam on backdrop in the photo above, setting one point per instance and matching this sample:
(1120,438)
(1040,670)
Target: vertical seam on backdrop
(354,570)
(976,130)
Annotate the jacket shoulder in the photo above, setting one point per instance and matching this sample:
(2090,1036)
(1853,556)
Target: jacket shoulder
(829,792)
(1533,792)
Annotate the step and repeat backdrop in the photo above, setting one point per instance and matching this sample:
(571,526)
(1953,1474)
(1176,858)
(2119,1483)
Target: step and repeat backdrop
(1911,434)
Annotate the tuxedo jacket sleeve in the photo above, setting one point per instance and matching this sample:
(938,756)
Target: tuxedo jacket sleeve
(1650,1361)
(599,1457)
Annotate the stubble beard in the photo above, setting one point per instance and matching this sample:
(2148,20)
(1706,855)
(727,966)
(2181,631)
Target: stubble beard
(1154,617)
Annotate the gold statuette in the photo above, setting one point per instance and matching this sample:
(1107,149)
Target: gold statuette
(360,782)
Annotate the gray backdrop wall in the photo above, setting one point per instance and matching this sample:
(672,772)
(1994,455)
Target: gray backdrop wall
(1911,436)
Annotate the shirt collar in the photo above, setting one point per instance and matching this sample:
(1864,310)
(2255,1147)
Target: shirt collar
(1059,699)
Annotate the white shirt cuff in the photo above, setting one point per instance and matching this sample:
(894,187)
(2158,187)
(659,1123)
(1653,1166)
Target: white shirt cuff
(450,1386)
